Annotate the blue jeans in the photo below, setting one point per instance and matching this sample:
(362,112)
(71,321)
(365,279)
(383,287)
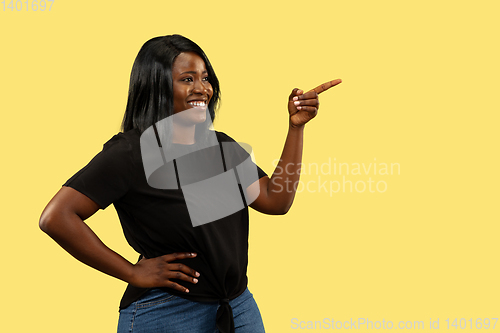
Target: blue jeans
(158,311)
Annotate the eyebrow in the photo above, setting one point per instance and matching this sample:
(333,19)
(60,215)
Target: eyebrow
(193,72)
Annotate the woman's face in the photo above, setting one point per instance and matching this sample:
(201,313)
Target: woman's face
(192,91)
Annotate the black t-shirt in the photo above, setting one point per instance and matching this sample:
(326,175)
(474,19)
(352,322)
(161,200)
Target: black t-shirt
(156,222)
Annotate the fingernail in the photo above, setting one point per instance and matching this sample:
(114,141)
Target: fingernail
(193,254)
(197,274)
(296,102)
(187,290)
(195,280)
(299,107)
(295,98)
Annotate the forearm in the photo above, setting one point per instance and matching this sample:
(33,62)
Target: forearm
(283,183)
(75,236)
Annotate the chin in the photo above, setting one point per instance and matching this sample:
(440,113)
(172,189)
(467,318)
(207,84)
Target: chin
(198,115)
(199,120)
(192,116)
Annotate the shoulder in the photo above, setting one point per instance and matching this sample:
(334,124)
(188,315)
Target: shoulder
(122,148)
(125,143)
(223,137)
(235,145)
(231,147)
(123,139)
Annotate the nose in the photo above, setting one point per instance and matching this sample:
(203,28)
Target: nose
(199,87)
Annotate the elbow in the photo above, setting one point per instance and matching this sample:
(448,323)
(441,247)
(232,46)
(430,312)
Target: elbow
(272,209)
(280,207)
(286,207)
(45,224)
(282,210)
(49,218)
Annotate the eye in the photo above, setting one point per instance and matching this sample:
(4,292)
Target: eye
(206,78)
(187,79)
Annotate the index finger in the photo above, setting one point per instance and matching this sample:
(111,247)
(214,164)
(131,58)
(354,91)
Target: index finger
(178,255)
(325,86)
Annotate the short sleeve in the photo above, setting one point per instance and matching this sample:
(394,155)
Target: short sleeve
(239,153)
(109,175)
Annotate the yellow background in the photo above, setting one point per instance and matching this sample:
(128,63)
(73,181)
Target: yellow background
(420,88)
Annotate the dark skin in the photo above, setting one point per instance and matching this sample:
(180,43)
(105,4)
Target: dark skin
(302,107)
(63,217)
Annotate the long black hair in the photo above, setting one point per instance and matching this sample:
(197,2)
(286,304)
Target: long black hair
(150,95)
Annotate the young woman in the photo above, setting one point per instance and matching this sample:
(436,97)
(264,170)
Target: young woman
(188,278)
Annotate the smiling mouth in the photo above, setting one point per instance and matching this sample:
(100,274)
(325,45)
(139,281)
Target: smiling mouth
(198,104)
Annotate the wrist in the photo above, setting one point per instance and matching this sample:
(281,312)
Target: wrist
(130,274)
(296,128)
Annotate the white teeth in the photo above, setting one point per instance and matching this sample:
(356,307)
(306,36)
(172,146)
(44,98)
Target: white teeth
(197,103)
